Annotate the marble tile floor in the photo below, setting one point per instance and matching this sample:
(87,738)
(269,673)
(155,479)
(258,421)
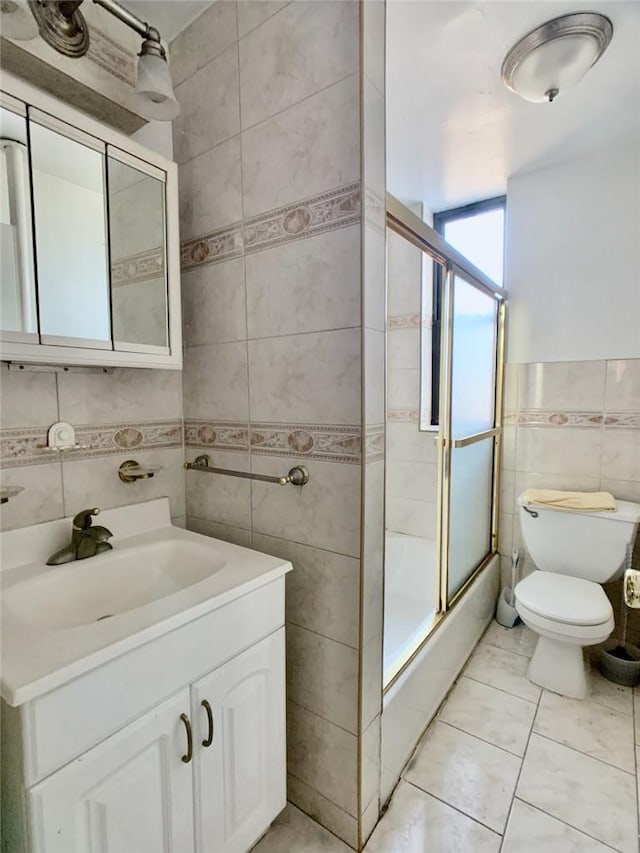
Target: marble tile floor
(506,768)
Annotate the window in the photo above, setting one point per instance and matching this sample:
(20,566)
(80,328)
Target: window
(477,232)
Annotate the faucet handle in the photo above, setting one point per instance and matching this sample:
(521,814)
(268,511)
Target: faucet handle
(82,521)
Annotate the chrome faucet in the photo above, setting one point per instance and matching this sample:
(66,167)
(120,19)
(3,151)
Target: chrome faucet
(86,540)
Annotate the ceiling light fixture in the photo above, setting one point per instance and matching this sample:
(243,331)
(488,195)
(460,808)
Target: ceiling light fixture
(62,25)
(556,55)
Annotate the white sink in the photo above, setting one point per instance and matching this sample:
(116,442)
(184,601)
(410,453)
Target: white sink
(61,621)
(102,587)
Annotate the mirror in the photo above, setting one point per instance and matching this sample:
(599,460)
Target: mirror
(138,269)
(17,291)
(70,229)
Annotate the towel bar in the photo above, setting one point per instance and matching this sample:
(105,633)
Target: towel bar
(297,476)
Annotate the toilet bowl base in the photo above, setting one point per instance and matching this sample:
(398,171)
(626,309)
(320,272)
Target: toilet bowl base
(560,667)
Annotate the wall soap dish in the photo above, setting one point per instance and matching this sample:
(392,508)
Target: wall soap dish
(130,471)
(8,492)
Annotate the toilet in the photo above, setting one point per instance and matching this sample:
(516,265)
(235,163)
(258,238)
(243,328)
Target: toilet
(562,601)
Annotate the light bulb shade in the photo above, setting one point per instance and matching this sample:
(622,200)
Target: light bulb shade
(556,55)
(154,98)
(16,20)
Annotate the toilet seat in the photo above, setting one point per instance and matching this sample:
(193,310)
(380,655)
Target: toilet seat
(566,600)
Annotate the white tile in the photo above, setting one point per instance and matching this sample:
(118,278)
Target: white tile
(323,514)
(312,378)
(225,500)
(403,348)
(624,490)
(308,149)
(406,443)
(210,190)
(305,285)
(213,304)
(588,727)
(371,678)
(370,757)
(531,831)
(210,108)
(373,130)
(293,830)
(306,48)
(322,591)
(504,670)
(252,13)
(322,810)
(374,390)
(550,450)
(416,481)
(418,823)
(373,39)
(403,389)
(614,696)
(28,399)
(374,275)
(472,776)
(225,532)
(41,499)
(322,676)
(414,518)
(623,386)
(621,454)
(565,386)
(215,382)
(212,32)
(591,796)
(124,396)
(490,714)
(519,639)
(323,756)
(95,482)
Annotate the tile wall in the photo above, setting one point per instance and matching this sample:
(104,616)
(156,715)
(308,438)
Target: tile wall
(126,414)
(570,425)
(284,354)
(412,453)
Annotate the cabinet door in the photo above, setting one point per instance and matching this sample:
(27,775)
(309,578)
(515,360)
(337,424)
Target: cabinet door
(240,780)
(130,794)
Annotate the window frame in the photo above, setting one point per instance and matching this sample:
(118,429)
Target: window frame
(440,221)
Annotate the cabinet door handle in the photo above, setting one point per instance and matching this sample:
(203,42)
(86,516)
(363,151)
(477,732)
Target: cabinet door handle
(209,738)
(187,724)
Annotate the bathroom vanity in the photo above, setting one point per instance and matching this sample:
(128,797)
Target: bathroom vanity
(90,244)
(142,708)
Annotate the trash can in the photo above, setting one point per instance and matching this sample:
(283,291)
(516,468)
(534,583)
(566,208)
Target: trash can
(619,662)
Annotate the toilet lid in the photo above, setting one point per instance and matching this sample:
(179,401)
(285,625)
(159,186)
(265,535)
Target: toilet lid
(574,601)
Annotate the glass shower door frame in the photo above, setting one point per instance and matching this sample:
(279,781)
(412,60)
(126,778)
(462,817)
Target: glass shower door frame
(446,441)
(405,223)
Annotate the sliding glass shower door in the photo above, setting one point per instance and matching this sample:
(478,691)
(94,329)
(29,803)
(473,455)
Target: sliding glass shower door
(465,358)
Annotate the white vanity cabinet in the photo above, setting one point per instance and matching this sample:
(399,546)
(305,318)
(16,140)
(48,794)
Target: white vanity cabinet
(136,792)
(102,762)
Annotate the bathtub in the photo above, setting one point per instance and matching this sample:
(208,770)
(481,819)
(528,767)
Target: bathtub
(409,596)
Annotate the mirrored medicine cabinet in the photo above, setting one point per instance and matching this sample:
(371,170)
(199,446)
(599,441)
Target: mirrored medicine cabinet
(89,247)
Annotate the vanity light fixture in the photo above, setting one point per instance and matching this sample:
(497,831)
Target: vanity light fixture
(16,21)
(63,26)
(556,55)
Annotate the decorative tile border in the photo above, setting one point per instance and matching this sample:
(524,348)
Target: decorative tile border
(325,212)
(315,441)
(19,447)
(374,443)
(375,211)
(112,57)
(407,416)
(593,420)
(134,269)
(408,321)
(220,435)
(220,245)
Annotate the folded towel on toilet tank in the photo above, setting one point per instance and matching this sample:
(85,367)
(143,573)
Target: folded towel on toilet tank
(584,501)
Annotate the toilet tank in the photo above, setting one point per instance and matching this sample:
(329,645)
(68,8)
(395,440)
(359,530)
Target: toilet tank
(590,545)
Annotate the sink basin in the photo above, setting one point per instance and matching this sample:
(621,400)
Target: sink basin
(59,622)
(101,587)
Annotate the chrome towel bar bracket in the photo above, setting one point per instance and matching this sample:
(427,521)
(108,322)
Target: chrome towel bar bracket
(297,476)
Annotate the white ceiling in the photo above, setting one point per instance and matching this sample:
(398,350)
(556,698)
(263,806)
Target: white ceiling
(170,17)
(455,134)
